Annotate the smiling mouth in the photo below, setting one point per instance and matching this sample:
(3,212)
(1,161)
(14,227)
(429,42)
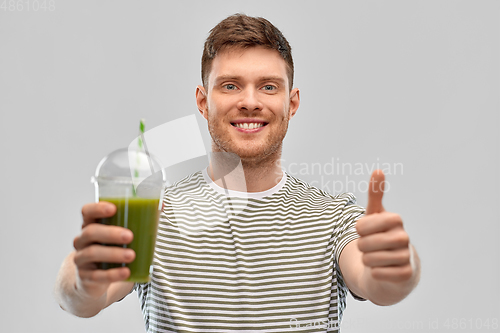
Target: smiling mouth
(249,125)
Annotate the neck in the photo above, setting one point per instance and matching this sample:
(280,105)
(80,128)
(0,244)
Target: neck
(227,170)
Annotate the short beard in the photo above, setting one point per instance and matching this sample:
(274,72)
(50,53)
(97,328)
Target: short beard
(269,155)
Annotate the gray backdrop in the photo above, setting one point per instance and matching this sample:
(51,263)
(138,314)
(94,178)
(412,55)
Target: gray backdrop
(410,85)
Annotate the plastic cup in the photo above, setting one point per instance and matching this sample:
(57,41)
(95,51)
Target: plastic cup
(134,182)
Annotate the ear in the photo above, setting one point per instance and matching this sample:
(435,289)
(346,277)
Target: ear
(294,102)
(201,101)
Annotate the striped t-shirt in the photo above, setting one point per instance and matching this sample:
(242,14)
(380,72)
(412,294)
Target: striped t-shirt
(228,261)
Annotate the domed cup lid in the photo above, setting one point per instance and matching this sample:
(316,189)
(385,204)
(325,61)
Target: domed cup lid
(127,172)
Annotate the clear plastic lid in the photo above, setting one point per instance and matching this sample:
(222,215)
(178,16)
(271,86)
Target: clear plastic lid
(127,173)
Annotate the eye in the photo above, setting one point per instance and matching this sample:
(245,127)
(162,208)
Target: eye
(230,86)
(269,87)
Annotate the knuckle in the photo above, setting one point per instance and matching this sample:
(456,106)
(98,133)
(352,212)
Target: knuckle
(76,241)
(396,220)
(403,239)
(403,257)
(362,245)
(90,232)
(86,209)
(79,258)
(90,252)
(399,239)
(360,226)
(76,258)
(406,272)
(87,231)
(367,259)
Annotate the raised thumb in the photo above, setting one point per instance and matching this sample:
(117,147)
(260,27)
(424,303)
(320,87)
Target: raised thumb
(375,193)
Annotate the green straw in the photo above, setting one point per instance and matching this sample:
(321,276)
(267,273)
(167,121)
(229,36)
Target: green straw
(141,143)
(140,146)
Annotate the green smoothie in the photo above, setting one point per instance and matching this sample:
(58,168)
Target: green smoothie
(140,215)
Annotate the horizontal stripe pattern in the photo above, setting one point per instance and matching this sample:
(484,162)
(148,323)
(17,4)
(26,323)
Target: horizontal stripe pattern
(235,264)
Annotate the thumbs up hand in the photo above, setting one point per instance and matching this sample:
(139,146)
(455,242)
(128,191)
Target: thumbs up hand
(383,242)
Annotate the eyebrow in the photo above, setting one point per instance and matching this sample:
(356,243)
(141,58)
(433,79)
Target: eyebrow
(262,78)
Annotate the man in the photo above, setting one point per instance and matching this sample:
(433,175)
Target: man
(256,250)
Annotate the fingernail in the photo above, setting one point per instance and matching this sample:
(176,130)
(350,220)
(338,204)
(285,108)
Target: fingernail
(126,234)
(129,254)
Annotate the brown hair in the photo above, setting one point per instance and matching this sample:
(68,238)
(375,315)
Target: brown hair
(240,30)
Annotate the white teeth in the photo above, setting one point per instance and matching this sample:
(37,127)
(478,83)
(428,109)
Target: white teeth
(249,125)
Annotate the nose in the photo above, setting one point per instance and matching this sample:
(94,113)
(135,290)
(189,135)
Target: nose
(249,100)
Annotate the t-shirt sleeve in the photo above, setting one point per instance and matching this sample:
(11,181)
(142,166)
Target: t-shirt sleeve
(346,225)
(346,231)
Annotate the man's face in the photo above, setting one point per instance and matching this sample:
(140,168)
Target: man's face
(248,103)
